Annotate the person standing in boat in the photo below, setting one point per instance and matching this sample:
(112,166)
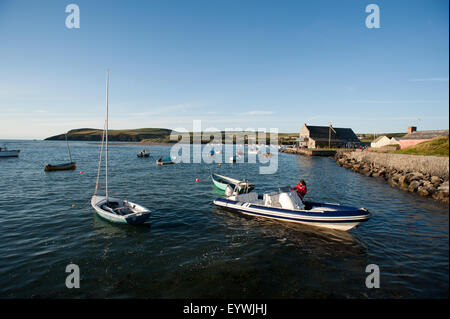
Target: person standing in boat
(300,188)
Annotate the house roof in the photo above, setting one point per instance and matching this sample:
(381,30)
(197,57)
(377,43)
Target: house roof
(424,135)
(340,134)
(379,138)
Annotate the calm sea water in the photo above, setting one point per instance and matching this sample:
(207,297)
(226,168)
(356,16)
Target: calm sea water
(191,249)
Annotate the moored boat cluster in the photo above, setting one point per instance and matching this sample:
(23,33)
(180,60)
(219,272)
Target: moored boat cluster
(424,184)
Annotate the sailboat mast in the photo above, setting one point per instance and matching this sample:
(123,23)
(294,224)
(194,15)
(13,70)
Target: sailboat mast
(70,155)
(106,156)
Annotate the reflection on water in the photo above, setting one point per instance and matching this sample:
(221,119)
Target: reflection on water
(190,248)
(110,230)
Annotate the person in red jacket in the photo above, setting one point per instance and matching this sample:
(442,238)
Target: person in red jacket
(300,188)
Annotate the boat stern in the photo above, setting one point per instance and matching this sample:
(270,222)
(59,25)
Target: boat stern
(137,218)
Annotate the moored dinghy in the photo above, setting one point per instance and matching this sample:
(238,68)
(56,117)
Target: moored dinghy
(166,161)
(115,209)
(285,205)
(62,167)
(221,182)
(144,153)
(119,211)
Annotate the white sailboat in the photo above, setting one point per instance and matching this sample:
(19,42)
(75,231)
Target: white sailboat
(115,209)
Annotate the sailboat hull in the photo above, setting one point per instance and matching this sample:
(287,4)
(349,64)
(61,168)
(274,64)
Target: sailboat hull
(139,213)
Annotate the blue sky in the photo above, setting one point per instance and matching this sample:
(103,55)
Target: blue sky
(231,64)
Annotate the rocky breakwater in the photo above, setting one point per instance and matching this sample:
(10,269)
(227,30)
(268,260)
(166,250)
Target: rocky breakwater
(426,176)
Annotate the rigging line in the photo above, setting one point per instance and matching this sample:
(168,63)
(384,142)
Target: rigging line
(70,155)
(112,193)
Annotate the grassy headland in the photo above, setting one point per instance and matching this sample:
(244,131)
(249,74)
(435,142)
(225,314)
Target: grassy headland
(156,135)
(438,146)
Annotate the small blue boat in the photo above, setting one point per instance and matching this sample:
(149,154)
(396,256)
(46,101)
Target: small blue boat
(285,205)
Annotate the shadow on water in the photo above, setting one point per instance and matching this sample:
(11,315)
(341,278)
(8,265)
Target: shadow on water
(321,240)
(108,229)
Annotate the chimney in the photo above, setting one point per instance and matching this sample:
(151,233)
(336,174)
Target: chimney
(412,129)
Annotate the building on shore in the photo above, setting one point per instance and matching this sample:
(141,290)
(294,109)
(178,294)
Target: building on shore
(384,141)
(327,136)
(415,137)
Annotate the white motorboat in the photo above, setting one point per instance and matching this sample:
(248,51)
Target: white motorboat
(286,205)
(5,152)
(115,209)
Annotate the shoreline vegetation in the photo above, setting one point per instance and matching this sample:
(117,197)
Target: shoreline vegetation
(161,136)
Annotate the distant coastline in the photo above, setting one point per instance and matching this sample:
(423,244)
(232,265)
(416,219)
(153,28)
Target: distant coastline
(157,136)
(153,135)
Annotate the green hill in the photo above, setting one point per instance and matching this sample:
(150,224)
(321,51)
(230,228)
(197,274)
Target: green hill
(157,135)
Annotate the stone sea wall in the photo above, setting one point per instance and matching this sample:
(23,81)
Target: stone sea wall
(425,175)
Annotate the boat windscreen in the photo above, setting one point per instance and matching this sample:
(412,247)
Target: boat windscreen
(285,189)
